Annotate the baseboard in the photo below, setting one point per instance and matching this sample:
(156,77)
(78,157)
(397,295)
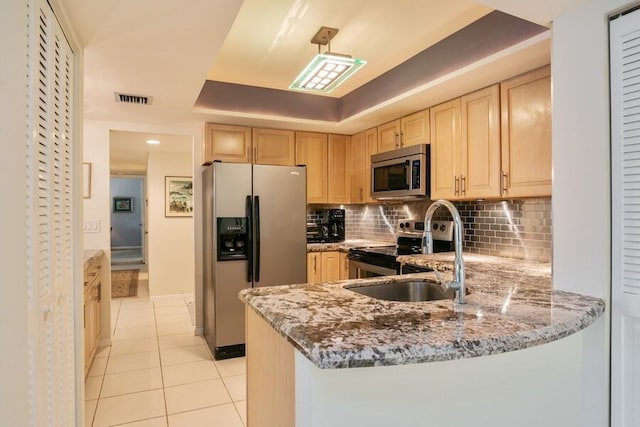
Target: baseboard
(125,248)
(199,332)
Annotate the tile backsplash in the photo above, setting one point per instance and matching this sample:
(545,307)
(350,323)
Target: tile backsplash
(510,228)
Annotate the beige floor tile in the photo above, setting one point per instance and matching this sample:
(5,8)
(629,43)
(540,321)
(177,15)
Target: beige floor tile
(131,382)
(180,340)
(173,319)
(147,322)
(241,406)
(134,333)
(153,422)
(92,387)
(97,367)
(192,396)
(133,362)
(186,373)
(175,356)
(129,407)
(140,345)
(181,328)
(236,386)
(89,412)
(215,416)
(230,367)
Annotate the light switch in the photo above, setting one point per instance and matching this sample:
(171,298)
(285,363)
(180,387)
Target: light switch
(91,226)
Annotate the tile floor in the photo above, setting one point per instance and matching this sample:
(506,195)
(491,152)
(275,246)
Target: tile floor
(157,373)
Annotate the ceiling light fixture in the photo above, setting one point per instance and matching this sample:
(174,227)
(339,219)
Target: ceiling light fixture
(327,70)
(153,142)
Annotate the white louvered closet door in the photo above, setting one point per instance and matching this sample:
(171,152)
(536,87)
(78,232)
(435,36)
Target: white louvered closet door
(49,220)
(625,191)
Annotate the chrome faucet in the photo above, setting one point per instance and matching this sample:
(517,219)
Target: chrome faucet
(427,246)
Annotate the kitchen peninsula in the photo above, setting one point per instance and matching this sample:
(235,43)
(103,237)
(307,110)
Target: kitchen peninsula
(515,347)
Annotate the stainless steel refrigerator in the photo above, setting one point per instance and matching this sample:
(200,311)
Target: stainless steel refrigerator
(254,235)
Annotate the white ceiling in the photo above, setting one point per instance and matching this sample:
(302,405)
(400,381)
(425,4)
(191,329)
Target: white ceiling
(168,48)
(129,151)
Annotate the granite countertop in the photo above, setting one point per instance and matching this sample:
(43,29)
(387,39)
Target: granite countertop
(346,245)
(91,256)
(511,306)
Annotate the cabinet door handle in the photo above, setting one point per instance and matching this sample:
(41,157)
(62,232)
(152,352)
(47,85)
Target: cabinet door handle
(255,154)
(456,185)
(361,194)
(463,184)
(315,263)
(505,178)
(401,138)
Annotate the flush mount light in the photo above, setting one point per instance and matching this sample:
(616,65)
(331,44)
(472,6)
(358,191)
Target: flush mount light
(327,70)
(153,142)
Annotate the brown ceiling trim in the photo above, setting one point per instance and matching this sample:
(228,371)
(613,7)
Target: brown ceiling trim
(492,33)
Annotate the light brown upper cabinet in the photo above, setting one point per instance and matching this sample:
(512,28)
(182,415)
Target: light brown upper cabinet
(479,167)
(409,130)
(445,148)
(273,147)
(338,182)
(414,129)
(245,145)
(363,145)
(389,136)
(227,143)
(311,150)
(526,134)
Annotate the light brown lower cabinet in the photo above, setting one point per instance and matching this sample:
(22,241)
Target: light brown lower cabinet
(270,392)
(327,266)
(92,296)
(344,266)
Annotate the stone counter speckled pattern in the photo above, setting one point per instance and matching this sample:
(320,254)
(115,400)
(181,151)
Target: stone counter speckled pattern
(346,245)
(511,306)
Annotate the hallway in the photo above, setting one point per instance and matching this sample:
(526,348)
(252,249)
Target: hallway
(157,373)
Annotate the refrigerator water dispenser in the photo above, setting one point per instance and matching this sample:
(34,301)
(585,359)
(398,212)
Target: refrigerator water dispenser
(232,239)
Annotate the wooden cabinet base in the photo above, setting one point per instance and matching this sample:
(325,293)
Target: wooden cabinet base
(270,375)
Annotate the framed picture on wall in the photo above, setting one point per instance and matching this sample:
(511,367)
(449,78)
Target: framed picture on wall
(178,200)
(123,204)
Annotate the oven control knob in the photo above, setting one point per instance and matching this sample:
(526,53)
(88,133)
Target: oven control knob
(401,225)
(435,225)
(406,224)
(442,227)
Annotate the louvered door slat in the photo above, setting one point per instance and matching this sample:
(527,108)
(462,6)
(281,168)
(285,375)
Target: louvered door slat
(625,219)
(49,166)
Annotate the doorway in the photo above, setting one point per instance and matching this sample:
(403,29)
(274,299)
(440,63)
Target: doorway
(128,204)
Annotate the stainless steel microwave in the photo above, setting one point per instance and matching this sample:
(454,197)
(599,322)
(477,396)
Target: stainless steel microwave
(401,174)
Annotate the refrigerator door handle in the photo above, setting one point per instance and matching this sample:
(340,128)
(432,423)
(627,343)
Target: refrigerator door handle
(249,214)
(256,205)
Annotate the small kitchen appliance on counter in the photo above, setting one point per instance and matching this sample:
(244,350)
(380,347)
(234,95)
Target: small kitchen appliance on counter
(329,229)
(381,261)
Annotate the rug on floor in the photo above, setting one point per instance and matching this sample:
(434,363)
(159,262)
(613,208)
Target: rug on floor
(124,283)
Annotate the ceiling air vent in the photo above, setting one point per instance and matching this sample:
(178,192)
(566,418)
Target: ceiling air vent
(133,99)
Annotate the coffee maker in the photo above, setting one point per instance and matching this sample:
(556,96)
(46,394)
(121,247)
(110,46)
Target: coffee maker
(334,218)
(329,228)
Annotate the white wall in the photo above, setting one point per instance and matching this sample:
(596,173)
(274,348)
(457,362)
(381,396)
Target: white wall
(13,268)
(581,180)
(171,239)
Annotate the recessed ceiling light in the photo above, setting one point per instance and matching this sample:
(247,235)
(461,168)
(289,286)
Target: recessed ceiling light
(153,142)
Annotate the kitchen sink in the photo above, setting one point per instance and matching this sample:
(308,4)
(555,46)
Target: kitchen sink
(405,291)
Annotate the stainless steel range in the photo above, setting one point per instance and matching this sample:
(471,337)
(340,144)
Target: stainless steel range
(381,261)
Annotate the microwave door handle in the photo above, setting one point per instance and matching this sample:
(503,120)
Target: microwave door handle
(407,173)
